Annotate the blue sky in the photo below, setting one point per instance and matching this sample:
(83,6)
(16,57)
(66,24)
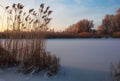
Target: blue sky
(67,12)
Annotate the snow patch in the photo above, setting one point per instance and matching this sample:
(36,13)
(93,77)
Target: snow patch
(27,78)
(2,79)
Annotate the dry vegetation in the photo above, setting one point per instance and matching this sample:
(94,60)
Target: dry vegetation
(115,71)
(30,53)
(84,25)
(110,27)
(85,35)
(116,35)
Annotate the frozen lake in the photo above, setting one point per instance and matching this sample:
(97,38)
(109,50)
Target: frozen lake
(81,60)
(93,54)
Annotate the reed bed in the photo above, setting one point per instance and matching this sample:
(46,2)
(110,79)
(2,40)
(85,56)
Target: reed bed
(30,53)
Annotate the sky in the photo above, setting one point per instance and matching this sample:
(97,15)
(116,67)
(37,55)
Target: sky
(68,12)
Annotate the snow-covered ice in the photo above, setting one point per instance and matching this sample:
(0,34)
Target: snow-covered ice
(81,60)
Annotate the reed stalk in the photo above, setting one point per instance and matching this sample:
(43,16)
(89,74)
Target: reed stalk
(30,53)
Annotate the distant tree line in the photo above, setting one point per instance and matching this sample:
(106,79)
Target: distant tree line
(84,25)
(110,27)
(110,24)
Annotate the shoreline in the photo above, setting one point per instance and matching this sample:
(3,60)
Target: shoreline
(65,74)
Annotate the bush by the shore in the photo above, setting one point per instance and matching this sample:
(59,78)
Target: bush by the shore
(116,35)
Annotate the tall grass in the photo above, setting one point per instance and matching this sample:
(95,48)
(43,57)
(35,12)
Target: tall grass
(30,53)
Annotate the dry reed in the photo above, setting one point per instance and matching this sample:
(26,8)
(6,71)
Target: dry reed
(115,71)
(30,53)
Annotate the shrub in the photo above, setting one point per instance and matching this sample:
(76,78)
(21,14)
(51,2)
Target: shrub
(97,35)
(116,35)
(85,35)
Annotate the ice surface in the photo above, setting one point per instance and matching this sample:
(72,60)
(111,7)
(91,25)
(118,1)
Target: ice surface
(2,79)
(81,60)
(94,54)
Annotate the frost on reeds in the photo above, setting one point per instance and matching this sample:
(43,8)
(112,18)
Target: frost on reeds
(30,53)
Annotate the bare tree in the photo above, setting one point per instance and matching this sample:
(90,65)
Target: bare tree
(84,25)
(111,23)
